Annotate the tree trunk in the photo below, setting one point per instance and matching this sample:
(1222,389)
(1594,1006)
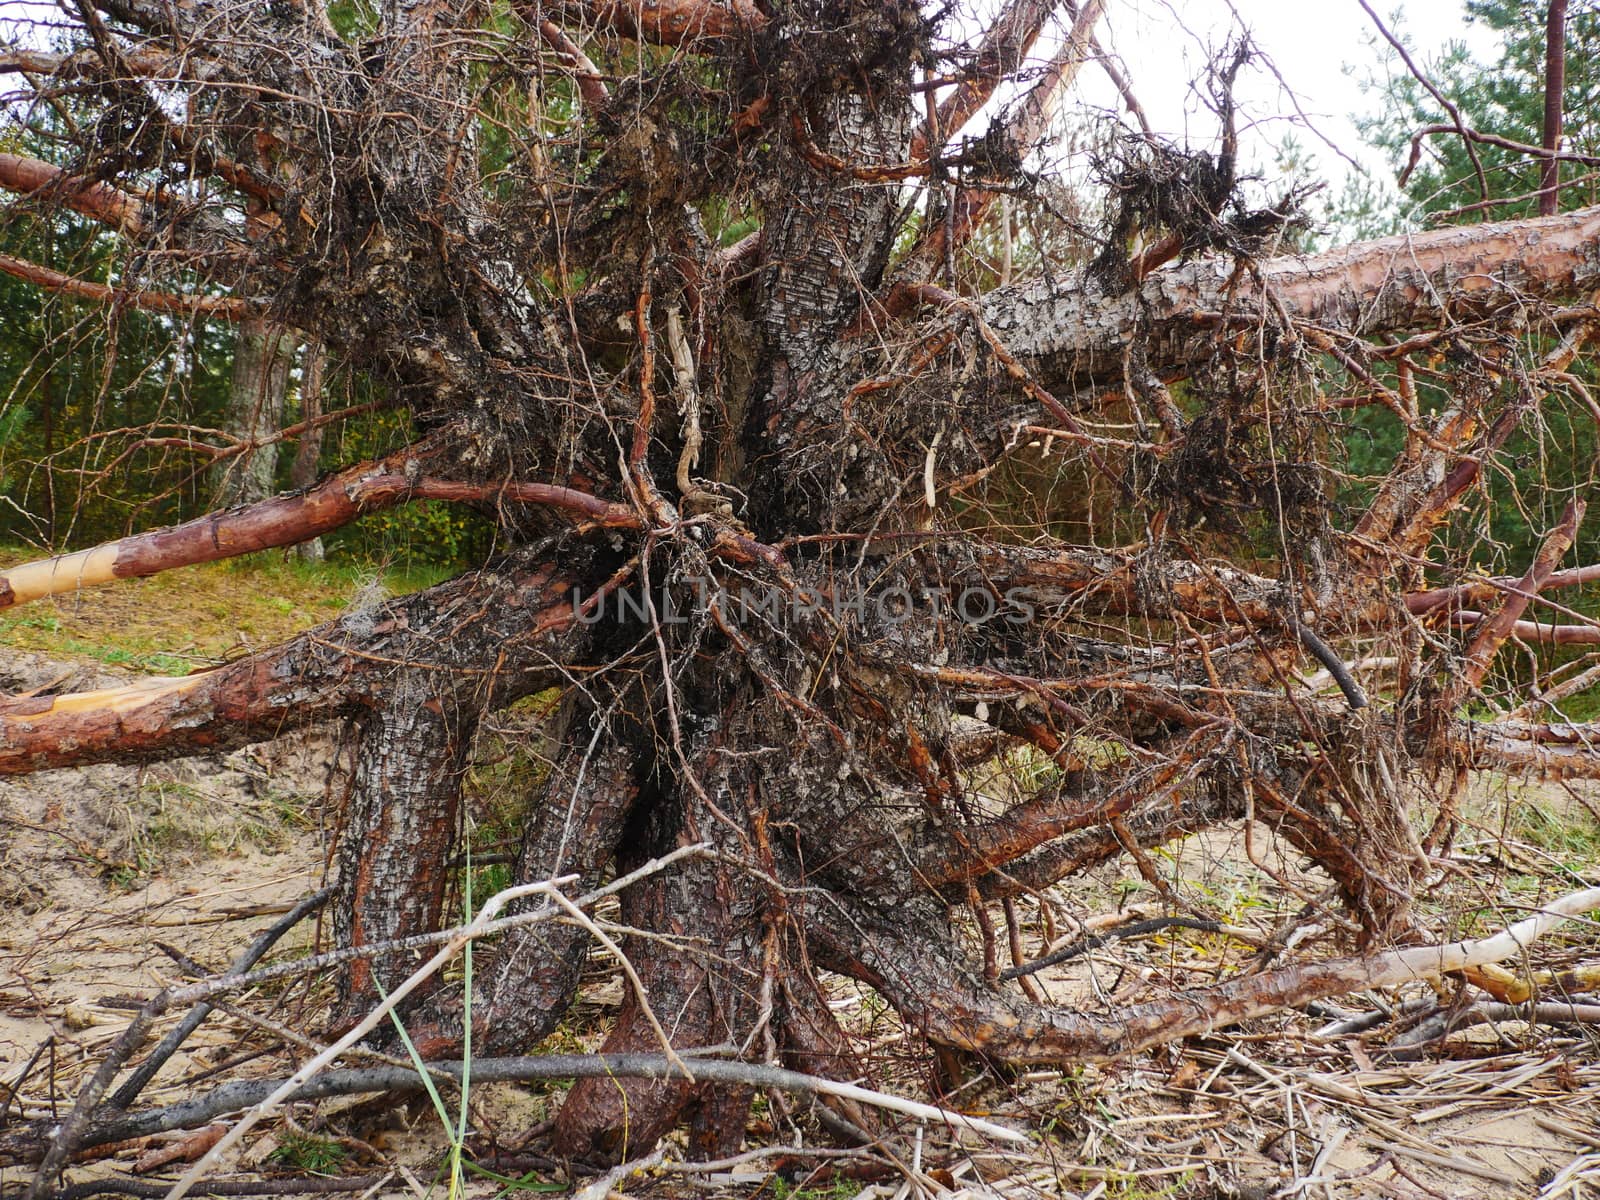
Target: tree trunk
(263,353)
(308,450)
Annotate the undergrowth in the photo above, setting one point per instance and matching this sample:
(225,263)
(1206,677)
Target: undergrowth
(174,623)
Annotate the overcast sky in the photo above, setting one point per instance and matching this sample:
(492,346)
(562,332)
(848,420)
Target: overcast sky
(1311,44)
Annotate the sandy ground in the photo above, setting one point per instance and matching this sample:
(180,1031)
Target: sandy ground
(99,864)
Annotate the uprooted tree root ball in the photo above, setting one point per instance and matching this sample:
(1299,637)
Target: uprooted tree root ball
(665,293)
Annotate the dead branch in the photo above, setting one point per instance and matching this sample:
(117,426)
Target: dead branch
(1421,603)
(192,1020)
(590,84)
(313,677)
(1557,750)
(101,202)
(287,521)
(1402,283)
(228,308)
(316,1185)
(959,1012)
(1492,634)
(672,22)
(1024,129)
(1534,632)
(248,1094)
(999,55)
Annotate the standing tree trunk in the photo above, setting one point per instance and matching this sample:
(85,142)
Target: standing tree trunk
(1555,85)
(308,448)
(263,353)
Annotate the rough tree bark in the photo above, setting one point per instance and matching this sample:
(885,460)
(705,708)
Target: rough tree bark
(750,509)
(308,450)
(263,355)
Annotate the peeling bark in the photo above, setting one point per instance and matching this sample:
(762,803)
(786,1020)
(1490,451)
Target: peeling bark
(1394,284)
(522,611)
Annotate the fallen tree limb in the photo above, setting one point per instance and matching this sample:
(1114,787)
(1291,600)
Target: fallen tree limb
(238,1097)
(550,890)
(129,1091)
(1389,285)
(1158,1022)
(664,1066)
(959,1010)
(1086,945)
(1558,750)
(1489,637)
(1420,603)
(1536,631)
(294,1186)
(665,22)
(280,521)
(1442,1024)
(70,1135)
(207,989)
(524,608)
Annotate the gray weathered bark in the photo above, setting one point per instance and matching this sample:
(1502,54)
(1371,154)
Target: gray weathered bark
(263,354)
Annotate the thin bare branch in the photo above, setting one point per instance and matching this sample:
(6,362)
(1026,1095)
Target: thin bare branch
(228,308)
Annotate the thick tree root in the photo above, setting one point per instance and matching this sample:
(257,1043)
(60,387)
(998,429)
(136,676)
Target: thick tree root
(1150,824)
(398,829)
(813,1042)
(923,978)
(700,987)
(526,983)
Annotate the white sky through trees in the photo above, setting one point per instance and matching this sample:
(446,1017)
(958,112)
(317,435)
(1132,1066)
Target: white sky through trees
(1321,50)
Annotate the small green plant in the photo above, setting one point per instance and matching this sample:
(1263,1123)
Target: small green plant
(304,1151)
(509,1185)
(496,877)
(839,1188)
(124,877)
(455,1164)
(1131,1187)
(290,810)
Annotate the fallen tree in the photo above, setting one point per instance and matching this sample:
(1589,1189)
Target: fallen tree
(759,518)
